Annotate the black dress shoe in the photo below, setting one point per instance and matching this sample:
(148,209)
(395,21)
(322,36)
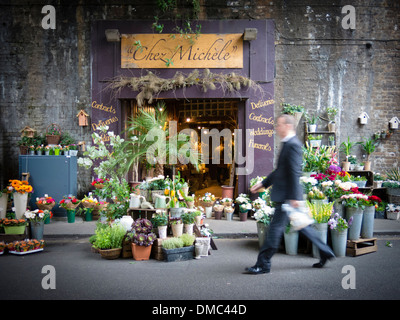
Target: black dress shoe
(256,270)
(322,262)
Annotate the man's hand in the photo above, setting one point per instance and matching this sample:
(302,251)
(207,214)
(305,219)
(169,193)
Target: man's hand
(256,187)
(294,203)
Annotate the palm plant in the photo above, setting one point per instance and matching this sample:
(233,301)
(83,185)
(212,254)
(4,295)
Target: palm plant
(346,147)
(142,146)
(369,146)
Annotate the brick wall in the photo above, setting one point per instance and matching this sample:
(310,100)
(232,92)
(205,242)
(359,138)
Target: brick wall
(45,74)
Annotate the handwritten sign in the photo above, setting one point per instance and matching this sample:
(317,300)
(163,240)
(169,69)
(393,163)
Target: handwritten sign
(174,51)
(110,120)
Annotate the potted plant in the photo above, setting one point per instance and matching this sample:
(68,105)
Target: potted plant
(207,202)
(198,216)
(360,181)
(20,190)
(296,111)
(378,180)
(393,211)
(188,221)
(354,204)
(14,226)
(23,144)
(160,221)
(263,216)
(346,148)
(178,248)
(88,203)
(218,209)
(338,226)
(368,146)
(109,240)
(315,141)
(143,239)
(53,134)
(176,226)
(45,203)
(70,203)
(312,122)
(321,212)
(392,184)
(36,221)
(331,112)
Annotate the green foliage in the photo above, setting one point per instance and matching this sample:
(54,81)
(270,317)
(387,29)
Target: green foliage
(188,217)
(172,243)
(109,237)
(393,174)
(347,146)
(187,239)
(291,108)
(159,219)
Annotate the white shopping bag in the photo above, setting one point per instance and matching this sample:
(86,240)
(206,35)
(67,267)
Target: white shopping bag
(299,217)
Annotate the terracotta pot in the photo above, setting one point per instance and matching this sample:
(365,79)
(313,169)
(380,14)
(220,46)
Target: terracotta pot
(227,192)
(141,252)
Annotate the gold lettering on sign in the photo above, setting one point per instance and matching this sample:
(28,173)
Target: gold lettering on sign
(260,118)
(103,107)
(265,147)
(166,51)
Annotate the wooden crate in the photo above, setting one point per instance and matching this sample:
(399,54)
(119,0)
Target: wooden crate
(156,250)
(361,246)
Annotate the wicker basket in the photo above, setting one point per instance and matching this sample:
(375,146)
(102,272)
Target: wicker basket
(45,206)
(110,254)
(53,139)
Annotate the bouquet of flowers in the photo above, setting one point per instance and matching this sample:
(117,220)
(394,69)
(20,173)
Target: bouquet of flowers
(259,203)
(218,207)
(264,214)
(20,186)
(242,198)
(98,183)
(37,215)
(69,203)
(355,200)
(244,207)
(45,203)
(89,202)
(100,205)
(208,200)
(226,202)
(2,247)
(338,223)
(316,194)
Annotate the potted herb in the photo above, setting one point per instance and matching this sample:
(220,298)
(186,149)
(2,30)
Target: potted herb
(360,181)
(188,221)
(178,248)
(160,221)
(331,112)
(315,141)
(346,148)
(368,146)
(296,111)
(176,226)
(109,240)
(312,122)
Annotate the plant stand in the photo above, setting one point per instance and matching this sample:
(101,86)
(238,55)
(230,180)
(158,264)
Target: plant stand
(178,254)
(361,246)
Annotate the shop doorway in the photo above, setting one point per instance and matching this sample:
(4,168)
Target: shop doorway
(205,117)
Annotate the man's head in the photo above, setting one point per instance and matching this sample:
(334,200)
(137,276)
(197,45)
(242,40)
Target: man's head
(285,124)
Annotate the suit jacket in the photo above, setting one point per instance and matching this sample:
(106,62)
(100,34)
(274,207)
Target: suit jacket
(285,179)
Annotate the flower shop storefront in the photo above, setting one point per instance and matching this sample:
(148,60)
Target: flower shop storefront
(228,63)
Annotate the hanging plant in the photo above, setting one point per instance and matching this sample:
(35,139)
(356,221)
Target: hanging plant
(151,85)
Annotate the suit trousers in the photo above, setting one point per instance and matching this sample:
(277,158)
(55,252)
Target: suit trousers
(274,235)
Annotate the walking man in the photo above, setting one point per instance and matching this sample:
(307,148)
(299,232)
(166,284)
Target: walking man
(285,181)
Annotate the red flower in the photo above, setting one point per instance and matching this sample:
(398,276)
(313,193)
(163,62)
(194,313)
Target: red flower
(62,201)
(74,200)
(375,199)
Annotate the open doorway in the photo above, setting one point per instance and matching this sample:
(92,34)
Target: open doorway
(201,116)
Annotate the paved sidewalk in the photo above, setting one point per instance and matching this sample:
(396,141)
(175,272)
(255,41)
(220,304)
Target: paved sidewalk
(59,227)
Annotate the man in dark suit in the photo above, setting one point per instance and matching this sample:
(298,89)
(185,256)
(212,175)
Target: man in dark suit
(285,181)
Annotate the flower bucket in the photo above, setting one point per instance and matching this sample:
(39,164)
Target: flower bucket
(89,214)
(71,216)
(3,205)
(338,207)
(218,215)
(14,229)
(37,229)
(243,215)
(208,212)
(141,252)
(367,226)
(262,231)
(20,204)
(355,229)
(228,215)
(291,242)
(322,231)
(339,242)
